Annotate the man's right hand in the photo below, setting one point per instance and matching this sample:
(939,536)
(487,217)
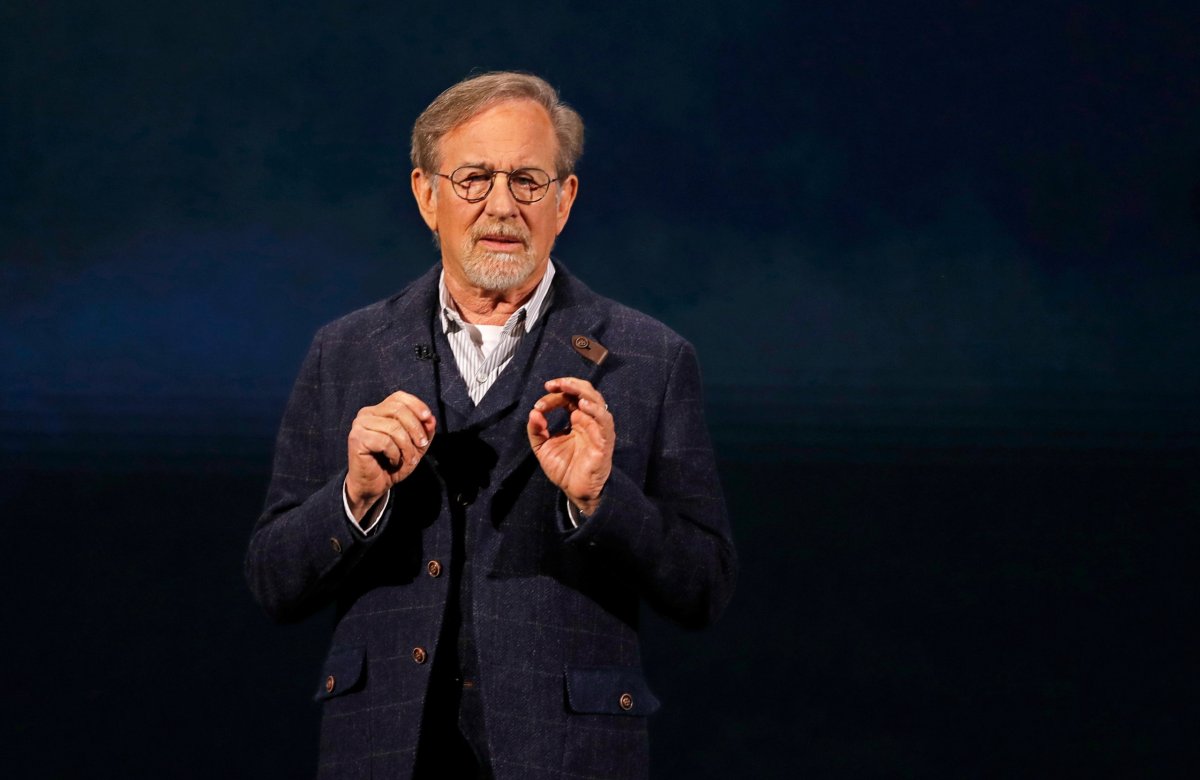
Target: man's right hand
(384,446)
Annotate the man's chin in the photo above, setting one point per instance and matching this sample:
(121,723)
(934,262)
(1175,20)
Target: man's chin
(499,271)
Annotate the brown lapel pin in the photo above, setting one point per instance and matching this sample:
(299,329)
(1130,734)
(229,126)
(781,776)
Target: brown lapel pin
(592,350)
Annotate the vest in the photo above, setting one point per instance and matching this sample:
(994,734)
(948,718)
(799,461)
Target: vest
(472,440)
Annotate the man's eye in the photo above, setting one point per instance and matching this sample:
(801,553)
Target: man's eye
(524,180)
(476,178)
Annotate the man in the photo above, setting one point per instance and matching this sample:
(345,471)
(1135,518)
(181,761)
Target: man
(487,473)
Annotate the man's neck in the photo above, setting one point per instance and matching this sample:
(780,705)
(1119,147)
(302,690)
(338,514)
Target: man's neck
(490,307)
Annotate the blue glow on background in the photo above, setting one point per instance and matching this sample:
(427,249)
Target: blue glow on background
(940,263)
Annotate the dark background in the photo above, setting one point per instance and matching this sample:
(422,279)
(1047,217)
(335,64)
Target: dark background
(939,261)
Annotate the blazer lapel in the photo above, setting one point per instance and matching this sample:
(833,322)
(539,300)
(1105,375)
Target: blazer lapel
(404,341)
(570,315)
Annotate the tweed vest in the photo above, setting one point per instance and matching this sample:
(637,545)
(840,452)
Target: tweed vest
(472,441)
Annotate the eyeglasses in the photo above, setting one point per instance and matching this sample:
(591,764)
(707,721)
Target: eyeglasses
(473,184)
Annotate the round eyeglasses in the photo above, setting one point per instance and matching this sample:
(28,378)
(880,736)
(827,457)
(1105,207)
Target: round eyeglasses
(473,183)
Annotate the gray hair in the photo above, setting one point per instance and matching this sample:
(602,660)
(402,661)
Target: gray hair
(473,95)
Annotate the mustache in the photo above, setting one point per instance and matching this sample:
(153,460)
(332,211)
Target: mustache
(501,230)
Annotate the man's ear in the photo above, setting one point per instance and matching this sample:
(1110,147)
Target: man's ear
(424,189)
(566,197)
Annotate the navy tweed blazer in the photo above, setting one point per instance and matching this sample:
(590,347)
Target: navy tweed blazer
(555,609)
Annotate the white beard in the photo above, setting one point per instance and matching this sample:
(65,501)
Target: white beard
(497,271)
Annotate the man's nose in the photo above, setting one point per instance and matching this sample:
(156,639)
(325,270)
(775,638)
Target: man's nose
(500,201)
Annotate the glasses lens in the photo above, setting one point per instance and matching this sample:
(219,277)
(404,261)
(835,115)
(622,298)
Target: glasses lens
(471,183)
(528,184)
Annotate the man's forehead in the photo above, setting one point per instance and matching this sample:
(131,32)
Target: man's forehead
(511,128)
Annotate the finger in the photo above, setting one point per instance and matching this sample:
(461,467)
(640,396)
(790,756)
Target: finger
(398,433)
(381,447)
(409,451)
(537,428)
(593,429)
(402,420)
(401,404)
(580,388)
(552,401)
(599,411)
(410,402)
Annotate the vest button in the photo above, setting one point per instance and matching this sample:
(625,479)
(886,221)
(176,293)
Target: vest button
(434,568)
(330,684)
(419,655)
(626,702)
(336,544)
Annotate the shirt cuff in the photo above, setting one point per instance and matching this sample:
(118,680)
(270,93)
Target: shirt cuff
(576,517)
(371,518)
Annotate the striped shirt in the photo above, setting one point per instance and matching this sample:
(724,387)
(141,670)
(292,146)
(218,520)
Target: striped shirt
(482,351)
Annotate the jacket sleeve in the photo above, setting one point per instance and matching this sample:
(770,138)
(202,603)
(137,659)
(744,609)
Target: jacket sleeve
(303,543)
(672,532)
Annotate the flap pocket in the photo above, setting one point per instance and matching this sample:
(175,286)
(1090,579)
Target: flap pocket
(342,673)
(611,690)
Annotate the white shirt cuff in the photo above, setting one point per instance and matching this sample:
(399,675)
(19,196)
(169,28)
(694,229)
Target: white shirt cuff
(371,518)
(576,517)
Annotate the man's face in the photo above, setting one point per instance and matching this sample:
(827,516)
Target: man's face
(497,244)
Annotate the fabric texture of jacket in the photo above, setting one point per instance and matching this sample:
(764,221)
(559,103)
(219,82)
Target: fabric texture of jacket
(553,609)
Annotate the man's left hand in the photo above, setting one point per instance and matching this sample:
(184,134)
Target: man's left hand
(578,459)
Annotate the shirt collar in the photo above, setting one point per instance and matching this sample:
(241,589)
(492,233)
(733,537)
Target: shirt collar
(530,311)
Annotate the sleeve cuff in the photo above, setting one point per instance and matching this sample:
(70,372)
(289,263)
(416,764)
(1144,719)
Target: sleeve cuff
(371,518)
(575,517)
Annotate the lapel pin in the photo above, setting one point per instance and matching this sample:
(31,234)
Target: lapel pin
(591,350)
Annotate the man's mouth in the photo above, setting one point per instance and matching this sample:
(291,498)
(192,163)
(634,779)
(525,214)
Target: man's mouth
(501,242)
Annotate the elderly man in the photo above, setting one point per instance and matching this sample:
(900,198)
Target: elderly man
(487,473)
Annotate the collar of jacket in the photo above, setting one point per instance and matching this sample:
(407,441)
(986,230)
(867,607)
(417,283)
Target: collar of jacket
(406,323)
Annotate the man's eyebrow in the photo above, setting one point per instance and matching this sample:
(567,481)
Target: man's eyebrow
(488,167)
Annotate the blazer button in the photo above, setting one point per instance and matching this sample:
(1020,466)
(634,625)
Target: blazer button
(434,568)
(330,684)
(336,545)
(419,655)
(626,702)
